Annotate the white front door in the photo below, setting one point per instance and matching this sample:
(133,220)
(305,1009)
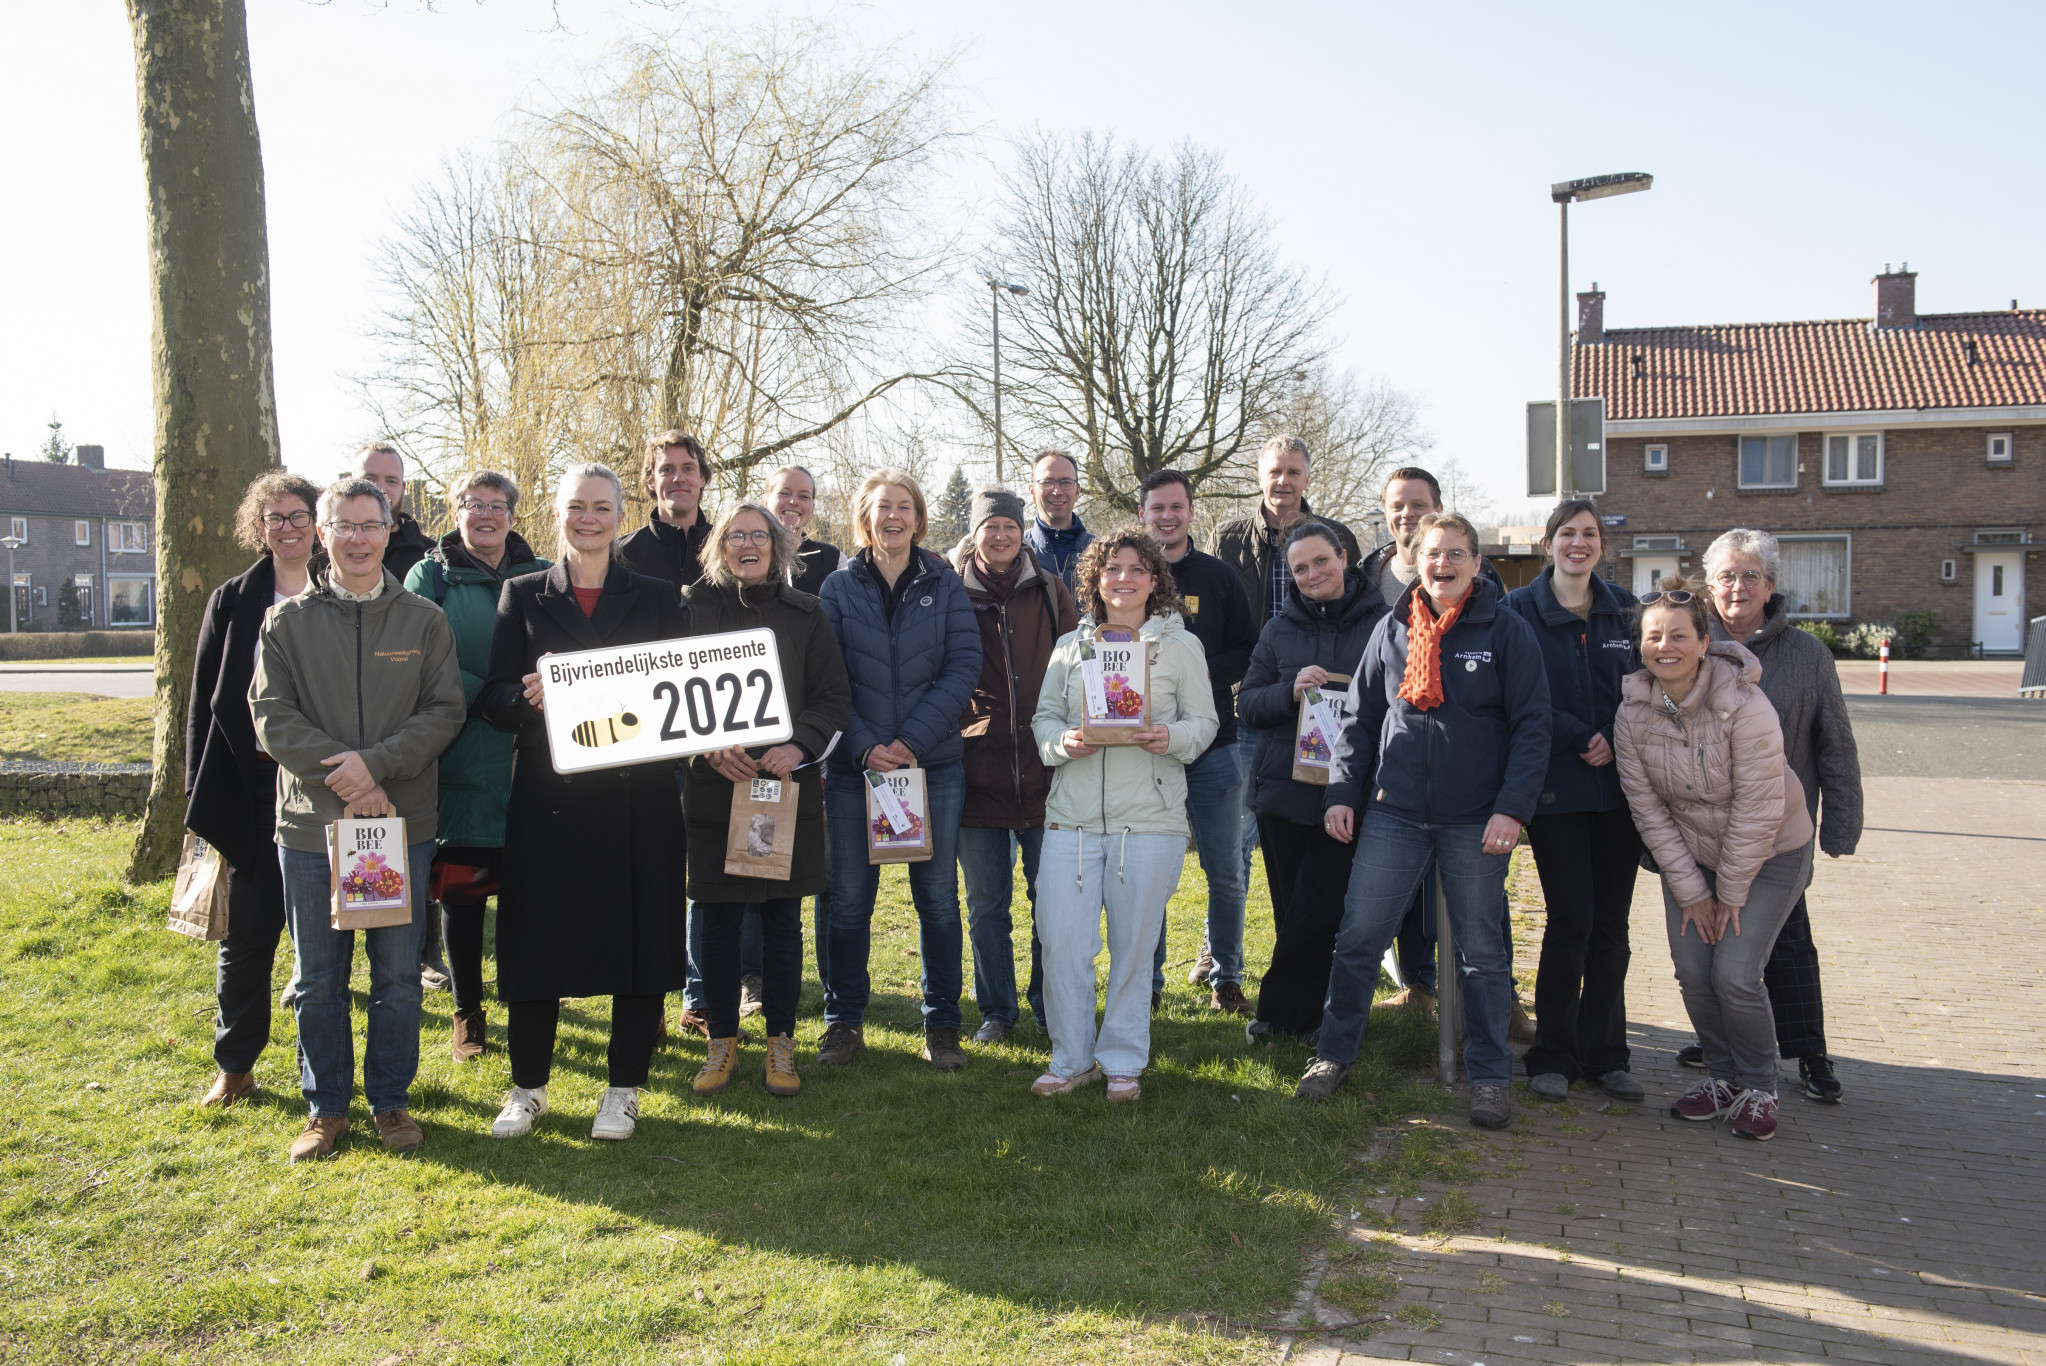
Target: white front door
(1650,570)
(2000,600)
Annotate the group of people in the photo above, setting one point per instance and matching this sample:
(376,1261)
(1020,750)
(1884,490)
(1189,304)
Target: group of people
(361,668)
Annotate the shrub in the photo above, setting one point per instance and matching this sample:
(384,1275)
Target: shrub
(1920,630)
(1866,640)
(1824,633)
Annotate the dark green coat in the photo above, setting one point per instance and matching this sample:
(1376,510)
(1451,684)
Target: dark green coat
(475,773)
(819,698)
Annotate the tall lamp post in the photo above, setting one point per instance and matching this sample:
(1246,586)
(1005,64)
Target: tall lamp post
(12,543)
(1591,187)
(997,287)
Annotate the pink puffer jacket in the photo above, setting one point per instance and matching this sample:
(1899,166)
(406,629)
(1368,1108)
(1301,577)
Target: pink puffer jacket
(1708,787)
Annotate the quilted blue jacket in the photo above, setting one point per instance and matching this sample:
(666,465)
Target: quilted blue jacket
(911,676)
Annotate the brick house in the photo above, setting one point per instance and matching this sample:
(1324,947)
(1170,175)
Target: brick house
(1901,459)
(88,558)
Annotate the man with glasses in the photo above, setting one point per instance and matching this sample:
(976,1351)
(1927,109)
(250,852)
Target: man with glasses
(380,463)
(1057,535)
(357,691)
(674,473)
(792,493)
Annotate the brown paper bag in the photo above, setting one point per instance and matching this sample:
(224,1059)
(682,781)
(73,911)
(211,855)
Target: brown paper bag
(760,841)
(1115,687)
(1321,709)
(371,880)
(898,817)
(199,896)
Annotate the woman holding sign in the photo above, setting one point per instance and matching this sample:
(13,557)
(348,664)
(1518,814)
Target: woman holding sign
(590,901)
(1126,705)
(912,653)
(756,815)
(1585,845)
(1296,694)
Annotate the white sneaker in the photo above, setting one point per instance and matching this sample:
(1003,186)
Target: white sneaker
(618,1115)
(521,1108)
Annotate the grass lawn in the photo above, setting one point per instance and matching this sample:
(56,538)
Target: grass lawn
(886,1215)
(75,727)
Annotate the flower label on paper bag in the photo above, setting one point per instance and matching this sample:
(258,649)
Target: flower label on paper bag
(1115,678)
(1322,713)
(897,816)
(370,885)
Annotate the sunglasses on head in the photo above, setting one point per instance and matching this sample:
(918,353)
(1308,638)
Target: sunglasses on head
(1675,597)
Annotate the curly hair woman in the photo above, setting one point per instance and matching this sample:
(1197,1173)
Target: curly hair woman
(1115,821)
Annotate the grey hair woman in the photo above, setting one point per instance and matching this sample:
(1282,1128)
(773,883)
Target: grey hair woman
(779,545)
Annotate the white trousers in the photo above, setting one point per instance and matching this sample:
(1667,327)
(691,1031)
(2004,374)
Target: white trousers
(1080,876)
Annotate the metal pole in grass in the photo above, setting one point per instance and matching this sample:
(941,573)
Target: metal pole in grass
(1448,992)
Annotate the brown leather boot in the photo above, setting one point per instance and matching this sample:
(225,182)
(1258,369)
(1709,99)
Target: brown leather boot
(229,1087)
(399,1131)
(470,1039)
(318,1138)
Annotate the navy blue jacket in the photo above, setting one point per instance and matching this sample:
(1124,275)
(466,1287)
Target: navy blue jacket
(1218,614)
(913,674)
(1056,550)
(1585,661)
(1332,635)
(1484,750)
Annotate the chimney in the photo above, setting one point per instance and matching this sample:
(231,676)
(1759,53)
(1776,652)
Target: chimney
(91,457)
(1591,317)
(1896,298)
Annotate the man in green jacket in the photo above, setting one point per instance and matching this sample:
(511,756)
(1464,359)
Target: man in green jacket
(356,694)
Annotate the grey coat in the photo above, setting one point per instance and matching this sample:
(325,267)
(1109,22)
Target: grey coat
(1800,680)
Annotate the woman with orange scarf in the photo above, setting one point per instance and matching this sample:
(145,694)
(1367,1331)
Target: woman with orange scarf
(1443,754)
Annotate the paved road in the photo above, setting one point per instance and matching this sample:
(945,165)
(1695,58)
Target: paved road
(1950,737)
(111,682)
(1905,1226)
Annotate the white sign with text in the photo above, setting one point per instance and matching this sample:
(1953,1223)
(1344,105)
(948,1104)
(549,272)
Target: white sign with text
(629,704)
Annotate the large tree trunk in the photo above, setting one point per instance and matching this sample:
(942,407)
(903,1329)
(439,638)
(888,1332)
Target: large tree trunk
(216,421)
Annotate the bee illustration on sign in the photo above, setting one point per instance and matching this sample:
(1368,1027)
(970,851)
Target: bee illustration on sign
(604,731)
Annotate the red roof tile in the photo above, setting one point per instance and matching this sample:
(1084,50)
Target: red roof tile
(1840,366)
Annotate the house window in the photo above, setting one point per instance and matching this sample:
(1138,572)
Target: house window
(1949,571)
(130,602)
(18,528)
(1655,543)
(128,538)
(1856,459)
(1655,459)
(81,533)
(1814,575)
(1999,448)
(1768,462)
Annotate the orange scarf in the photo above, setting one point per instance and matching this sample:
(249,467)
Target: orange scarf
(1421,686)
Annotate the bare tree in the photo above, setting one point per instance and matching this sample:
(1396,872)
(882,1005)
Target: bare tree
(1161,328)
(720,234)
(216,419)
(1464,492)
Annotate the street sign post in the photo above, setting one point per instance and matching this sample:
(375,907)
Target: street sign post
(1587,447)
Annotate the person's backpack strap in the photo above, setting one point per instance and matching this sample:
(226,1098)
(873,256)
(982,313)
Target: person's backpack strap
(439,574)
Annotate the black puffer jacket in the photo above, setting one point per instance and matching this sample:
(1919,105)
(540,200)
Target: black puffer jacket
(1329,634)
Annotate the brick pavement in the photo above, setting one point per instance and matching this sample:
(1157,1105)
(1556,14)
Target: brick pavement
(1935,677)
(1906,1226)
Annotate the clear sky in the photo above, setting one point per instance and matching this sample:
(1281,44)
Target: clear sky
(1404,150)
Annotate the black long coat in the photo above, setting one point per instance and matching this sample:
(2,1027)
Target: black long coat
(591,899)
(819,698)
(230,790)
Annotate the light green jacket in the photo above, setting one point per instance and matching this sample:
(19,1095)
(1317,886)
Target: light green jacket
(1122,787)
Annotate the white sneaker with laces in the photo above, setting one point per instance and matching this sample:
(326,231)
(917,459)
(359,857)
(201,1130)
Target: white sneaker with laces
(618,1115)
(521,1108)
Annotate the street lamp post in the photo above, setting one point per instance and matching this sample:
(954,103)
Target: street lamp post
(996,287)
(1591,187)
(12,543)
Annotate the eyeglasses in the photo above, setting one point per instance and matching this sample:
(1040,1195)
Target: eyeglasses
(1675,598)
(1747,578)
(277,521)
(1055,485)
(739,538)
(1125,571)
(494,509)
(1451,556)
(372,530)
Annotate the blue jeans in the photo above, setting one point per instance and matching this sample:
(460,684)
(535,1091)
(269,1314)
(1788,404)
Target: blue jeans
(1247,741)
(987,862)
(933,886)
(1393,856)
(752,940)
(1214,808)
(1416,942)
(326,1037)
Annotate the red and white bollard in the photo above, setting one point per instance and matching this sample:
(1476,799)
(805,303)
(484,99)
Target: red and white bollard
(1883,670)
